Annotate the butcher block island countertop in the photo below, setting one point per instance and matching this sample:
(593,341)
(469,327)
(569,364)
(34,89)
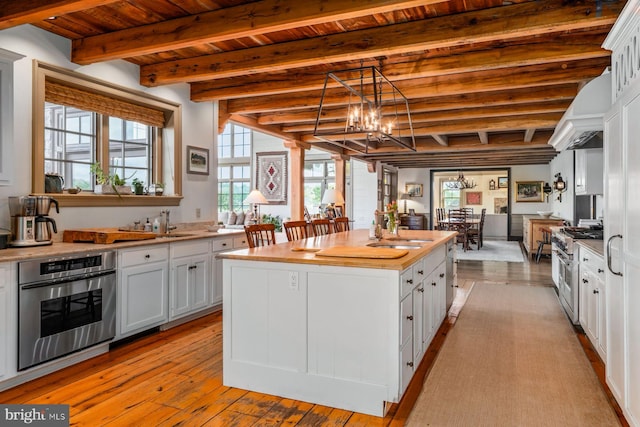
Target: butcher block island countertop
(305,251)
(340,331)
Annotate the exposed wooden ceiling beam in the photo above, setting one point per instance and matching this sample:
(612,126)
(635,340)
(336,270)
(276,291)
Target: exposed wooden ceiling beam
(434,116)
(245,20)
(512,98)
(18,12)
(441,139)
(500,23)
(480,81)
(493,59)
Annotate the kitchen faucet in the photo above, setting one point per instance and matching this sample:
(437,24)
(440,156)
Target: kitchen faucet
(166,223)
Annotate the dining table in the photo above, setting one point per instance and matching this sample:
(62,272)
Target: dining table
(468,223)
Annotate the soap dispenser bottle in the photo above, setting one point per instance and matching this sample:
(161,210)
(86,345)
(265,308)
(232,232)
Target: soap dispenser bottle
(156,225)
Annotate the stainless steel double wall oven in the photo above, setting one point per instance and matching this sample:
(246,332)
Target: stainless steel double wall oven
(66,304)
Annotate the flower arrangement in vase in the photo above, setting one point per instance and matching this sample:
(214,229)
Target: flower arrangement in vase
(392,217)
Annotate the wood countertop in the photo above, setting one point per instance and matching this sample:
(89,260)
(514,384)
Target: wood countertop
(62,248)
(301,251)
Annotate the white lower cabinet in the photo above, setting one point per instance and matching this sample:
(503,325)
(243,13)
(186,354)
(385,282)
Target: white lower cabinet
(190,277)
(143,287)
(6,346)
(593,293)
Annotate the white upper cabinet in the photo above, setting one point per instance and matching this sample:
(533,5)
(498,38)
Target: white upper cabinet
(7,59)
(589,171)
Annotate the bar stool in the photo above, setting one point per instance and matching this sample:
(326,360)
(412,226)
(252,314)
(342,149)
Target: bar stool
(546,240)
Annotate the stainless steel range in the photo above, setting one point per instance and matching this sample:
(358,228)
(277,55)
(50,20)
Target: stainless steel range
(66,304)
(565,256)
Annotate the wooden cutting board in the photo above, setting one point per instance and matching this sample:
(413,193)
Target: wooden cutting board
(362,252)
(104,235)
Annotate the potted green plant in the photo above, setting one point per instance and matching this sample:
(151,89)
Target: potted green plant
(108,183)
(138,186)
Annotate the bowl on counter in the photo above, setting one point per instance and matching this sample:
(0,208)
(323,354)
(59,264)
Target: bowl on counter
(214,228)
(545,214)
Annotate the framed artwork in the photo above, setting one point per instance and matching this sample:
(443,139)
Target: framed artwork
(503,182)
(412,212)
(271,176)
(529,191)
(338,211)
(413,190)
(197,160)
(500,205)
(473,197)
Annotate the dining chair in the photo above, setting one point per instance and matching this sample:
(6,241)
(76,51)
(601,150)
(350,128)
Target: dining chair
(260,234)
(440,216)
(458,222)
(546,240)
(476,234)
(341,224)
(321,227)
(296,230)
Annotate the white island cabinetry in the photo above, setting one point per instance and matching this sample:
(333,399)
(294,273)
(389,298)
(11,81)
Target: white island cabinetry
(329,331)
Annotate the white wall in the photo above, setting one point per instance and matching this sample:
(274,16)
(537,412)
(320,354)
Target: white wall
(364,194)
(198,130)
(518,173)
(563,163)
(267,143)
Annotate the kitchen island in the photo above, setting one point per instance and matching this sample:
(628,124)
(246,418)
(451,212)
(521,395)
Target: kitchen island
(344,332)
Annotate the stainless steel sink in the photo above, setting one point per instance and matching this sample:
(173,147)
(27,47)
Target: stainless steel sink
(173,235)
(393,245)
(400,239)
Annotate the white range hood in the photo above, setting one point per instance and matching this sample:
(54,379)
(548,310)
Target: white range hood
(584,117)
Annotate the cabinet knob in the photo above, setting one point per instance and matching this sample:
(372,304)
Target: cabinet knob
(433,283)
(409,317)
(410,364)
(585,281)
(224,244)
(585,259)
(595,291)
(600,270)
(441,275)
(420,271)
(410,281)
(420,289)
(147,256)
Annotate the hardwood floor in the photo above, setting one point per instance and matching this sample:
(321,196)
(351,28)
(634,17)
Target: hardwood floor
(174,377)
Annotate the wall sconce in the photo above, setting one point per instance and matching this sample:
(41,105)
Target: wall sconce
(547,190)
(559,186)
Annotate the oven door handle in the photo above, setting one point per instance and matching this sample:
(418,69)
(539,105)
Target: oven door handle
(617,273)
(69,279)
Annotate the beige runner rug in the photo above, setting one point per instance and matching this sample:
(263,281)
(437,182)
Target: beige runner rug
(512,359)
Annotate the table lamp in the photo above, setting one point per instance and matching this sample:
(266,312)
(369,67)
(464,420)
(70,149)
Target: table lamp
(256,198)
(331,198)
(405,197)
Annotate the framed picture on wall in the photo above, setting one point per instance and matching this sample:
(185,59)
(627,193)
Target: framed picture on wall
(473,197)
(529,191)
(413,190)
(197,160)
(503,182)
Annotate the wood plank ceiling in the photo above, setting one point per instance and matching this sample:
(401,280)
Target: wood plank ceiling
(487,80)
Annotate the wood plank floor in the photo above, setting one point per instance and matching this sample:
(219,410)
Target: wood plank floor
(174,377)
